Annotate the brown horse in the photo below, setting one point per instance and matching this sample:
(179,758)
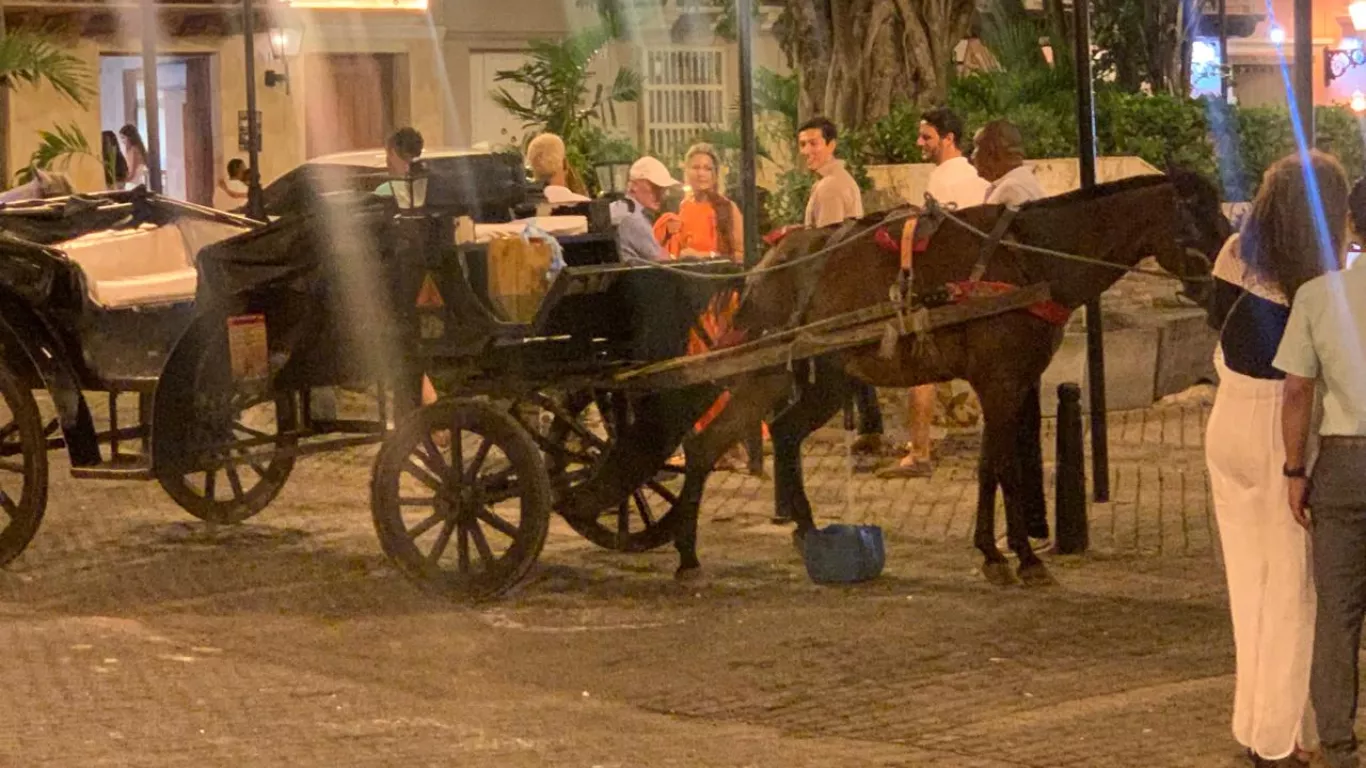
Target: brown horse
(1001,357)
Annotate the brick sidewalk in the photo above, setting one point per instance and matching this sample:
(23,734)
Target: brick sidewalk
(1159,488)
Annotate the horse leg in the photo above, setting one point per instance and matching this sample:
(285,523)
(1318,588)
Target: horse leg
(984,535)
(817,403)
(1000,443)
(750,399)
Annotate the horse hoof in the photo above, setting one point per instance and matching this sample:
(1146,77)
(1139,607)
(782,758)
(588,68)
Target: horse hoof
(688,575)
(999,574)
(1037,575)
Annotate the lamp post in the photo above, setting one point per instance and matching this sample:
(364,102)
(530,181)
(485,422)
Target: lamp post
(1304,67)
(1095,338)
(256,206)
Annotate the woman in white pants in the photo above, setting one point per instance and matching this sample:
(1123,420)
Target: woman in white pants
(1266,554)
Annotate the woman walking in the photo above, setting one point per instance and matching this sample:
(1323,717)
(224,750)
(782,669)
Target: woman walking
(1266,555)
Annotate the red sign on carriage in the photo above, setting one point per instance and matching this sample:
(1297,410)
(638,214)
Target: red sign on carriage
(247,349)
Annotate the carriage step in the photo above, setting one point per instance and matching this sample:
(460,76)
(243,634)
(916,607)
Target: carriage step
(126,468)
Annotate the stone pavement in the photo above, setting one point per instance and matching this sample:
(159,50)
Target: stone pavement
(135,636)
(1159,490)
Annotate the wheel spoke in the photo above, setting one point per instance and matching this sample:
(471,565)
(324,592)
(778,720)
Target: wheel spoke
(442,539)
(423,476)
(210,483)
(462,549)
(7,504)
(425,525)
(490,518)
(481,544)
(240,427)
(9,430)
(236,482)
(432,458)
(481,454)
(663,491)
(643,506)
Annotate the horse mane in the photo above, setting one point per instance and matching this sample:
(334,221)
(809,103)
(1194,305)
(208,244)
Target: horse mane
(1099,191)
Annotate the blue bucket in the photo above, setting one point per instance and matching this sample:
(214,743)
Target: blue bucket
(844,554)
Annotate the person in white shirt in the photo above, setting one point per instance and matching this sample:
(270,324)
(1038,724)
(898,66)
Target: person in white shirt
(549,165)
(954,183)
(998,154)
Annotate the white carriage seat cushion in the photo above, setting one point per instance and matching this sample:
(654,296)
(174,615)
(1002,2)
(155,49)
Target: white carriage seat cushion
(147,265)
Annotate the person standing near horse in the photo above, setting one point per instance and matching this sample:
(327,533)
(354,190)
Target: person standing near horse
(835,198)
(998,155)
(1266,555)
(707,224)
(953,182)
(1324,348)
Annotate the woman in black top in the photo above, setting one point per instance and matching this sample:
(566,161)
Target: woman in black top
(1289,237)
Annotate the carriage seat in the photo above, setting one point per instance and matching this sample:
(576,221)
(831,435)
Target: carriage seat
(147,265)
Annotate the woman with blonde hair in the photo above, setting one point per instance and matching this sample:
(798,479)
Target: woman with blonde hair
(707,223)
(1295,231)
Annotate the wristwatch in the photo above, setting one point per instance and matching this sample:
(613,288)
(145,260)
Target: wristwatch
(1295,473)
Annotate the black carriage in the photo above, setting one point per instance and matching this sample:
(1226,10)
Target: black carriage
(231,339)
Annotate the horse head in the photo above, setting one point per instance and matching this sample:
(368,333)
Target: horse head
(1202,230)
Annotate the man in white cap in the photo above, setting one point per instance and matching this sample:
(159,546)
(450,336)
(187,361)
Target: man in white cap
(645,187)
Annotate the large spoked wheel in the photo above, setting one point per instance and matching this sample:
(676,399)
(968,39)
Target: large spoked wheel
(23,468)
(232,469)
(461,499)
(578,441)
(221,447)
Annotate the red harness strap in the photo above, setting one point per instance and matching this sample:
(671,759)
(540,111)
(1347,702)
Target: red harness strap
(1049,311)
(887,243)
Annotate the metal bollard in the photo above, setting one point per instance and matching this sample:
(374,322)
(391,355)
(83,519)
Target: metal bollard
(1071,529)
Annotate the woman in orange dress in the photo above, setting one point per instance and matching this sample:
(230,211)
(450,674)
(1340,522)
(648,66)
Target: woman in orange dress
(708,224)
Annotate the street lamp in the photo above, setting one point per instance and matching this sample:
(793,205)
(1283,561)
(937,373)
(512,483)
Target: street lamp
(286,37)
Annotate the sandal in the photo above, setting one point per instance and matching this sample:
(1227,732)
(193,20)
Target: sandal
(908,467)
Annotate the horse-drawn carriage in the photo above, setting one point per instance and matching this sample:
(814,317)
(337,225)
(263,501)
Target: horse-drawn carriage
(227,331)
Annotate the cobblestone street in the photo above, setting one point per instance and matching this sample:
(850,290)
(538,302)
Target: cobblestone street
(137,636)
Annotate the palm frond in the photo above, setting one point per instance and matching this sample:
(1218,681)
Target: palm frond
(56,150)
(31,58)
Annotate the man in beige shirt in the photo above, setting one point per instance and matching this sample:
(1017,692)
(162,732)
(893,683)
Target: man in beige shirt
(834,198)
(836,195)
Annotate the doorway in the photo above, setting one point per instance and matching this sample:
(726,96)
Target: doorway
(351,102)
(185,109)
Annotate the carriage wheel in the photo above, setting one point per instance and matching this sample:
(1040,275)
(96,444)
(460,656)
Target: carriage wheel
(579,439)
(461,499)
(231,470)
(216,442)
(23,468)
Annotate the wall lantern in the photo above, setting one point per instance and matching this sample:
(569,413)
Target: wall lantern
(286,38)
(1349,53)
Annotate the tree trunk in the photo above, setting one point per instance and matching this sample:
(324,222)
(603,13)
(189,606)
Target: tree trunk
(857,58)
